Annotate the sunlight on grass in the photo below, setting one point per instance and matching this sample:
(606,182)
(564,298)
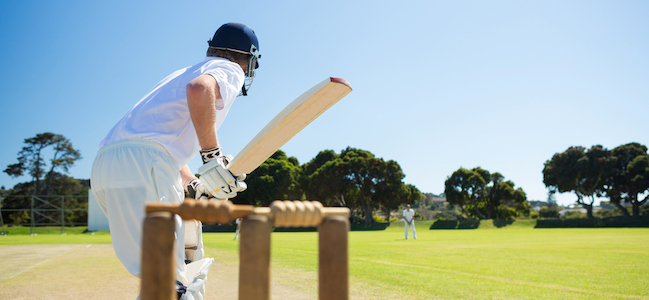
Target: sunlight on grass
(513,262)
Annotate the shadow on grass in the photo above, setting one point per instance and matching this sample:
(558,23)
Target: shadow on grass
(641,221)
(503,223)
(456,224)
(467,224)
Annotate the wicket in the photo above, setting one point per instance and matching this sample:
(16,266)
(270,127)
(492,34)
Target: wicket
(158,280)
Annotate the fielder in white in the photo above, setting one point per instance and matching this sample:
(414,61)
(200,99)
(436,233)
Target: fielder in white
(409,219)
(236,233)
(144,156)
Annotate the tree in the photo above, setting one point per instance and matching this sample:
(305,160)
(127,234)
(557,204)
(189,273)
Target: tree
(361,170)
(275,179)
(464,189)
(628,176)
(31,160)
(485,195)
(549,212)
(638,172)
(552,198)
(61,185)
(503,201)
(348,179)
(578,171)
(321,180)
(356,179)
(390,191)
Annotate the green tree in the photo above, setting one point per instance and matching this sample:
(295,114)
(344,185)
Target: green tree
(275,179)
(45,158)
(549,212)
(319,184)
(503,200)
(464,189)
(389,190)
(322,180)
(579,171)
(31,160)
(76,198)
(361,170)
(628,177)
(638,170)
(485,195)
(356,179)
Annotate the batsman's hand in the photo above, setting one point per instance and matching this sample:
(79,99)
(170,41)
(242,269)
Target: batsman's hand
(197,190)
(218,180)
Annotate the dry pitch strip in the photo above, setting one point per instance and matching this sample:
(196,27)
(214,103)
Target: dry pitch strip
(158,278)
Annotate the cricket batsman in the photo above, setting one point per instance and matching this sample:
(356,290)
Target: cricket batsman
(144,157)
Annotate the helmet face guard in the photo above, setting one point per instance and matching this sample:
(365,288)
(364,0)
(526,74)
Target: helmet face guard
(253,64)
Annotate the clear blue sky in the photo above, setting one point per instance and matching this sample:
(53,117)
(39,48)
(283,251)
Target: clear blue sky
(438,85)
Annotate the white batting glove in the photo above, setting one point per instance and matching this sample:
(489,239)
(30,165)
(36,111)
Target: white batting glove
(197,190)
(218,180)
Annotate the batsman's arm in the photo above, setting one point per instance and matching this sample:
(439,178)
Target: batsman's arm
(202,93)
(186,176)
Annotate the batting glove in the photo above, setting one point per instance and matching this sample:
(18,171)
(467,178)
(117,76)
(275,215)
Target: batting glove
(197,190)
(218,180)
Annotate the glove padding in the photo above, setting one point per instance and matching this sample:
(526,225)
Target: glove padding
(219,181)
(197,190)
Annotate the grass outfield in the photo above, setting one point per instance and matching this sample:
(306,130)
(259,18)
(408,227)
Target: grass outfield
(513,262)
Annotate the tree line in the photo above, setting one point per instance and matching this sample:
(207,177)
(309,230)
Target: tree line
(46,158)
(620,174)
(355,178)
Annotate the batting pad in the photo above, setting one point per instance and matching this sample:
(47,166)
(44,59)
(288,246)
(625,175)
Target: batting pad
(198,271)
(194,240)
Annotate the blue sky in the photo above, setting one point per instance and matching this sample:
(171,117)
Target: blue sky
(438,85)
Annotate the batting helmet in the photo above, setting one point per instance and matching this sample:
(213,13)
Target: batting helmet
(237,37)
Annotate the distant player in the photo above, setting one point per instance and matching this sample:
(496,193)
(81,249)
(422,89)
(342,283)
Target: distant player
(409,220)
(236,233)
(144,156)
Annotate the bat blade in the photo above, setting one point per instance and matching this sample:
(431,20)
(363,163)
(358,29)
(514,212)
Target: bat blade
(289,122)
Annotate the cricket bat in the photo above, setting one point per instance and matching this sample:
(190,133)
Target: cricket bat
(288,123)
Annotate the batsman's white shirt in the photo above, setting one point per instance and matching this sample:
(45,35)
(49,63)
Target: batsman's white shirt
(163,116)
(408,214)
(140,158)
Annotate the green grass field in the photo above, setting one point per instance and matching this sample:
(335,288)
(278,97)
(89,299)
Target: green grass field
(513,262)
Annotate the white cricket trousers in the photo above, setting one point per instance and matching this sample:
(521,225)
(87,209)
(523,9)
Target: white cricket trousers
(126,175)
(412,225)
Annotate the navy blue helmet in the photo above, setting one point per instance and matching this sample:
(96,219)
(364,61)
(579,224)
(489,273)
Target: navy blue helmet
(239,38)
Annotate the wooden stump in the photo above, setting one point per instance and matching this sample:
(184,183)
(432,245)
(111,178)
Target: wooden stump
(254,258)
(158,247)
(333,266)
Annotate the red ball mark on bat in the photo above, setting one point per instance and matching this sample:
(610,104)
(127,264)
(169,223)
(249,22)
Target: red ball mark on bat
(340,80)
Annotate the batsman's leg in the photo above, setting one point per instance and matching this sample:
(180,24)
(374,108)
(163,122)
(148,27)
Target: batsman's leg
(193,240)
(405,228)
(414,232)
